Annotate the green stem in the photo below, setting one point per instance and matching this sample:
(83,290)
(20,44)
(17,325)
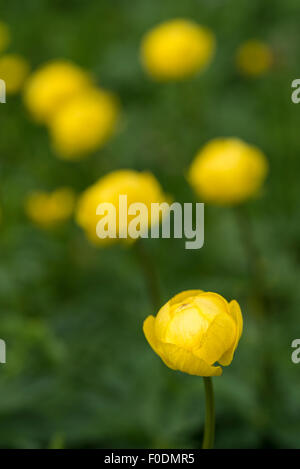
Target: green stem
(209,429)
(149,273)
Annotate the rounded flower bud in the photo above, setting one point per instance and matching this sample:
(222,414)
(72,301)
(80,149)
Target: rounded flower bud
(177,49)
(4,37)
(13,70)
(138,187)
(53,85)
(84,123)
(254,58)
(49,209)
(195,330)
(227,171)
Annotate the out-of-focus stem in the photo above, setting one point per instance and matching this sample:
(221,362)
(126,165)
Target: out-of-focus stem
(261,307)
(149,273)
(247,238)
(253,256)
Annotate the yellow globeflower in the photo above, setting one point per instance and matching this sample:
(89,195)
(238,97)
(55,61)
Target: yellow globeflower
(177,49)
(254,58)
(4,36)
(195,330)
(227,171)
(84,123)
(51,86)
(138,187)
(49,209)
(13,70)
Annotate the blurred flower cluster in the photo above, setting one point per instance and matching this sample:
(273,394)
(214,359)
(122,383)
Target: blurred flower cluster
(49,209)
(254,58)
(80,116)
(228,171)
(138,187)
(4,36)
(177,49)
(14,68)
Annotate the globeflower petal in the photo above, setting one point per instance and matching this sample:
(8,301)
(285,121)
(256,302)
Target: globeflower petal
(148,328)
(211,304)
(184,295)
(186,328)
(236,314)
(219,338)
(162,321)
(186,361)
(149,331)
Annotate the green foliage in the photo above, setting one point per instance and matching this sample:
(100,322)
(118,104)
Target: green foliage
(79,372)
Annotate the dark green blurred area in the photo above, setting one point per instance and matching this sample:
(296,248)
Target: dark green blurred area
(79,372)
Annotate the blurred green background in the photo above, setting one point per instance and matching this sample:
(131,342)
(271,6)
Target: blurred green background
(79,372)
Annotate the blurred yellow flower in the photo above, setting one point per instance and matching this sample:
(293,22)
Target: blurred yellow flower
(194,330)
(177,49)
(227,171)
(139,187)
(49,209)
(254,58)
(84,123)
(51,86)
(4,36)
(13,70)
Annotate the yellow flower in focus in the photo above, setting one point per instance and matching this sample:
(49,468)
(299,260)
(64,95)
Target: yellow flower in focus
(13,70)
(51,86)
(227,171)
(49,209)
(4,36)
(138,187)
(254,58)
(195,330)
(84,124)
(177,49)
